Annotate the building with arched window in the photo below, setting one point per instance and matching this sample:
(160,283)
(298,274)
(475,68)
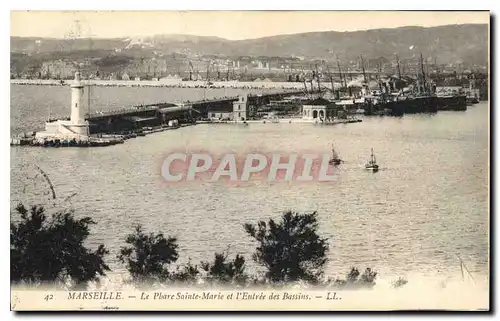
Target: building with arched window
(319,110)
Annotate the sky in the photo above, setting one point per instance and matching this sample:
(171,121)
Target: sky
(233,25)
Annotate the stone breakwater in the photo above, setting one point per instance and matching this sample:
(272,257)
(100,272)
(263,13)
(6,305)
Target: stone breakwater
(167,83)
(102,140)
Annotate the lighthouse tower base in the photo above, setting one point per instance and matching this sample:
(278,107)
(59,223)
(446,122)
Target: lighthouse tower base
(64,130)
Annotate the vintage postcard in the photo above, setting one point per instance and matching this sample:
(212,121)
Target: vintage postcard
(249,160)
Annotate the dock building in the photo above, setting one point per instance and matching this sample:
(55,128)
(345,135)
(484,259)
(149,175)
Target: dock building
(319,110)
(240,108)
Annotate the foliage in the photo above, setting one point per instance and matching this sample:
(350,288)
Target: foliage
(187,274)
(147,256)
(113,61)
(44,250)
(226,272)
(220,271)
(356,280)
(400,282)
(291,249)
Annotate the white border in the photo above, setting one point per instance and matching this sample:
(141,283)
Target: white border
(184,5)
(251,5)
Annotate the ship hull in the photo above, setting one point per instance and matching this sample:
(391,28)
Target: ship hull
(457,103)
(472,100)
(425,104)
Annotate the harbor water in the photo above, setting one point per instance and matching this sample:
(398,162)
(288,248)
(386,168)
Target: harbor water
(427,205)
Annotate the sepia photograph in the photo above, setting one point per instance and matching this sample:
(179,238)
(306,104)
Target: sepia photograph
(250,160)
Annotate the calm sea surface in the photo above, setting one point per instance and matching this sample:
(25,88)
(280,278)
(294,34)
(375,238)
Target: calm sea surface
(427,204)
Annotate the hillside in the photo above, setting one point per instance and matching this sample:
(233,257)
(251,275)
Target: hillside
(447,44)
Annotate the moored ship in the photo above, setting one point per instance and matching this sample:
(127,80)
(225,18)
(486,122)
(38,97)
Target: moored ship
(451,98)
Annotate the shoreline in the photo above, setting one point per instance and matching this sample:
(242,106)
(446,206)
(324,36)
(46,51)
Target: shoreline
(164,83)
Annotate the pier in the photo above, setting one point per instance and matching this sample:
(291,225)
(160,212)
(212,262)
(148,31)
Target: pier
(104,128)
(134,119)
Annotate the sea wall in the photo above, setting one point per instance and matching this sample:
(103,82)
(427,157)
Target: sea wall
(170,83)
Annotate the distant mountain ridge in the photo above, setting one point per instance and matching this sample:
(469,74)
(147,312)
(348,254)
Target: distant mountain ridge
(466,43)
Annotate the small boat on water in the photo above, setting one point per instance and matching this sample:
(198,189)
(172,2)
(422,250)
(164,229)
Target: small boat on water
(335,160)
(372,164)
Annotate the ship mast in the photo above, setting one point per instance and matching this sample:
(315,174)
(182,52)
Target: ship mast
(317,78)
(331,78)
(208,68)
(305,88)
(363,68)
(379,69)
(305,84)
(88,98)
(399,68)
(312,79)
(424,84)
(345,80)
(340,73)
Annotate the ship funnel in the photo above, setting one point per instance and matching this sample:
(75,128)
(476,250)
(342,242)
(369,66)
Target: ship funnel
(77,76)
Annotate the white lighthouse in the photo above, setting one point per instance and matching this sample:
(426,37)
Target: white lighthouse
(78,123)
(75,128)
